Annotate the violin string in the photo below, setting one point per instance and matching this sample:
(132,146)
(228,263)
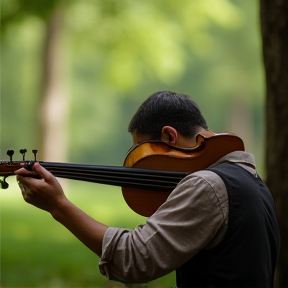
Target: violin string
(116,182)
(107,179)
(163,180)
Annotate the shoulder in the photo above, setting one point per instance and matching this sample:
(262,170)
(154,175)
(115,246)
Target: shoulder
(211,178)
(203,180)
(203,190)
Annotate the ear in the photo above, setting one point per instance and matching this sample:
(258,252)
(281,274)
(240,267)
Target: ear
(169,135)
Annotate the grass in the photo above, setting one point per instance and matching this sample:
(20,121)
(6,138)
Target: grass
(37,251)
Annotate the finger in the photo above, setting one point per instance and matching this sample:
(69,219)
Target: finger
(20,180)
(22,187)
(28,182)
(24,191)
(43,173)
(24,172)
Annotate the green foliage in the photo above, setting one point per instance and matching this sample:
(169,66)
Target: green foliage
(16,11)
(118,54)
(20,86)
(146,40)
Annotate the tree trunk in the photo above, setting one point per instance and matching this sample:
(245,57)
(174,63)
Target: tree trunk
(274,24)
(53,114)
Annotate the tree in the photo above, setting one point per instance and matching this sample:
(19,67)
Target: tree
(274,24)
(54,100)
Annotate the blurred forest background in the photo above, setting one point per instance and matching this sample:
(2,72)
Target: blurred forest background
(107,57)
(74,73)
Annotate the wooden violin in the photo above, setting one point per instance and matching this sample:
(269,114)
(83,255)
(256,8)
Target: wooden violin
(150,172)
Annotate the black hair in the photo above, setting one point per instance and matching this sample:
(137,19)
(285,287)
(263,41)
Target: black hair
(167,108)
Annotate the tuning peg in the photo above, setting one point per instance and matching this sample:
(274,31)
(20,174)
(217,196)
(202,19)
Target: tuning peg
(4,184)
(10,153)
(23,151)
(34,151)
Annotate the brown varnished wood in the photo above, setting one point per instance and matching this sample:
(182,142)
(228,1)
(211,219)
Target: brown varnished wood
(209,148)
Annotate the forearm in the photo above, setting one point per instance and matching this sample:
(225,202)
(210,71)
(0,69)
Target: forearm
(46,193)
(89,231)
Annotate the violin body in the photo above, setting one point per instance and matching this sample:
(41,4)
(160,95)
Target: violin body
(162,156)
(150,172)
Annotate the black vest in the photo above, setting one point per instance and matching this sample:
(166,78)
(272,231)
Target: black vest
(247,255)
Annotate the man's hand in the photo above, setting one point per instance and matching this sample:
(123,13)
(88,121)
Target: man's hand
(40,188)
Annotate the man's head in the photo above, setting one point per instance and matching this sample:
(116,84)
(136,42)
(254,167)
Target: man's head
(167,109)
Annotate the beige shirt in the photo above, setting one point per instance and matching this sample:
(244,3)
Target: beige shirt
(194,217)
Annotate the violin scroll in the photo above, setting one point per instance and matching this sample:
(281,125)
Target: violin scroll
(8,167)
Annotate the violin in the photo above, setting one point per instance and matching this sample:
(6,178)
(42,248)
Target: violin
(150,172)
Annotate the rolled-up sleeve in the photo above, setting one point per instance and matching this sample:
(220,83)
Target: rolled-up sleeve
(193,218)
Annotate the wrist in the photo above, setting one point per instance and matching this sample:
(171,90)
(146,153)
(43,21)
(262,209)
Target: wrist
(58,211)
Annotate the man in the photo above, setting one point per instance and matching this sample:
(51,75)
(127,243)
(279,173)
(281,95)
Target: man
(216,229)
